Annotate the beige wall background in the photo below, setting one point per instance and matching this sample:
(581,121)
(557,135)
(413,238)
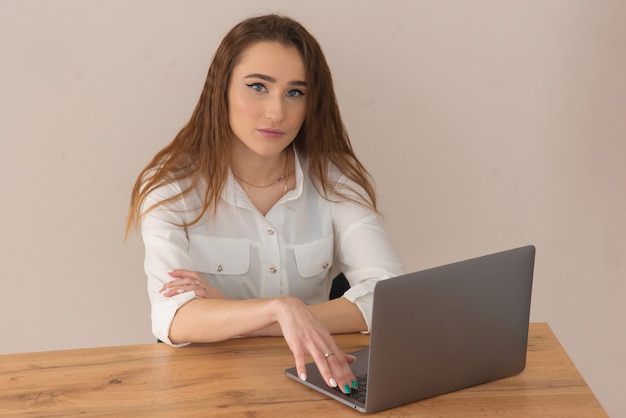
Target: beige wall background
(486,124)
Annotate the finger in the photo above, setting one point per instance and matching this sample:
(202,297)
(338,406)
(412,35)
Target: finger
(172,291)
(180,274)
(342,373)
(298,356)
(169,292)
(338,363)
(176,284)
(324,368)
(349,358)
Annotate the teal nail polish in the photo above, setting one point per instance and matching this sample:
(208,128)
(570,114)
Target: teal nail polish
(346,389)
(355,385)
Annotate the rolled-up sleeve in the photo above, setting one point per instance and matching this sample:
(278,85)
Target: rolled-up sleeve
(166,248)
(365,253)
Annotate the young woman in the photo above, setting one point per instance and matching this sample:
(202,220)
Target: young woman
(258,202)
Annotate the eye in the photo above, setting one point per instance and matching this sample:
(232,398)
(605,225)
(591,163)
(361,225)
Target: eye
(258,87)
(294,93)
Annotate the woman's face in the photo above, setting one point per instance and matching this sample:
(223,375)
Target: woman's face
(266,97)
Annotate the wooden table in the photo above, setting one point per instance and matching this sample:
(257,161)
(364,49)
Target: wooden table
(245,378)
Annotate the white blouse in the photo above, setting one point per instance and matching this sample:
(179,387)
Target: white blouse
(296,249)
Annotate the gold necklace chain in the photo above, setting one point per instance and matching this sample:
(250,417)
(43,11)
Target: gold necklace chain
(284,176)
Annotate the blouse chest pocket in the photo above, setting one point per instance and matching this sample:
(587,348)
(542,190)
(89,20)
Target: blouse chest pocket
(314,259)
(219,256)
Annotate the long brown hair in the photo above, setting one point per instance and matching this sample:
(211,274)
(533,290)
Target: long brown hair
(200,151)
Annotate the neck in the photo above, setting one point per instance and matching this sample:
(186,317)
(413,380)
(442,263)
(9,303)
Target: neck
(260,172)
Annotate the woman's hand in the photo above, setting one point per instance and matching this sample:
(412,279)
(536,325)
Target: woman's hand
(186,281)
(307,335)
(304,333)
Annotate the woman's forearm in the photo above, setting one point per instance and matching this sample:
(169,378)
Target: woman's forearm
(339,315)
(209,320)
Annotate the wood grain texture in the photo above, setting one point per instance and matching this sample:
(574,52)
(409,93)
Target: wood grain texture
(245,378)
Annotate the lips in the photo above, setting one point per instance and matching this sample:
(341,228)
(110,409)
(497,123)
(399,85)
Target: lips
(271,132)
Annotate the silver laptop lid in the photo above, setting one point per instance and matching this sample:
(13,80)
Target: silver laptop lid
(450,327)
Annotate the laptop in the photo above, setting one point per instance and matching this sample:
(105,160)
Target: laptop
(441,330)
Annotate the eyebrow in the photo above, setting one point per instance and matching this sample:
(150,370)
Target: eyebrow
(298,83)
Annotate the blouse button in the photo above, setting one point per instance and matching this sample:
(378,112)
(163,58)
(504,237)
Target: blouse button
(273,270)
(219,267)
(326,265)
(270,231)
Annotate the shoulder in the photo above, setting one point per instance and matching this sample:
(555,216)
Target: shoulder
(167,189)
(333,176)
(334,185)
(173,195)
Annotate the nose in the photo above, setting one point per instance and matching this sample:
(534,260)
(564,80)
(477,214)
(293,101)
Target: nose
(275,109)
